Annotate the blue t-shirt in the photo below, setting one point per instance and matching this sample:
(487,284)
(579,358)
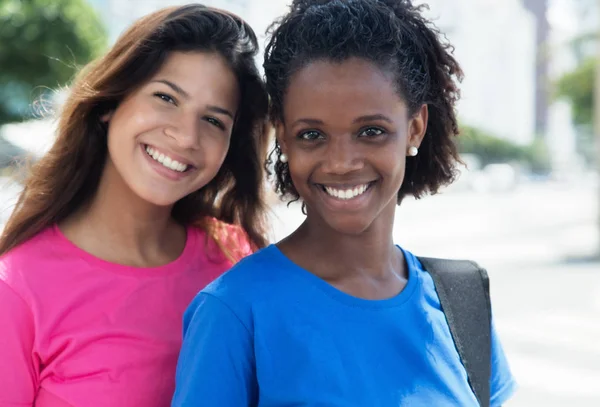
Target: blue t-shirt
(269,333)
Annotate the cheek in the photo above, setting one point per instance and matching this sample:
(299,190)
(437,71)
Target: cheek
(398,172)
(393,157)
(145,120)
(399,166)
(298,172)
(133,119)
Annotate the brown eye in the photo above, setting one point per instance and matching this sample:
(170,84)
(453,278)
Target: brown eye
(310,135)
(371,132)
(215,122)
(166,98)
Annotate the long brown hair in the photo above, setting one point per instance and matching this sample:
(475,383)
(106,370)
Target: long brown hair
(68,175)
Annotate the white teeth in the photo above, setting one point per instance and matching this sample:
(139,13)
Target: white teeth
(347,193)
(166,160)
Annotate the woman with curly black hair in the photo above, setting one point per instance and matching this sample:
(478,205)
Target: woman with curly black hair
(362,98)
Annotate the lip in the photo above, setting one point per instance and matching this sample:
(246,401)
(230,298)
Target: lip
(347,185)
(164,171)
(175,157)
(353,204)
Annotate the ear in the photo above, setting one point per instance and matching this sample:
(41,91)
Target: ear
(417,127)
(105,118)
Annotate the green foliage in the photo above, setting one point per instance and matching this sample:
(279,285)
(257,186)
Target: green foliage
(578,87)
(489,149)
(42,43)
(537,157)
(492,150)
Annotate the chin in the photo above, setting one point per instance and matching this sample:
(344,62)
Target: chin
(161,202)
(350,227)
(159,199)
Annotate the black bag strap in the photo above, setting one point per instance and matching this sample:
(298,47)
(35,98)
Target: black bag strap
(464,292)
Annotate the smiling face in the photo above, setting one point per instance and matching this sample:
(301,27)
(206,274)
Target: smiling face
(169,137)
(346,132)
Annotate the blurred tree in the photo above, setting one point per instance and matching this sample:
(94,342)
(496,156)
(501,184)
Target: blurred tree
(596,121)
(577,87)
(493,150)
(42,42)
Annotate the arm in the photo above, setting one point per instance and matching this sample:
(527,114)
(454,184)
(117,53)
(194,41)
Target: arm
(216,364)
(19,371)
(502,382)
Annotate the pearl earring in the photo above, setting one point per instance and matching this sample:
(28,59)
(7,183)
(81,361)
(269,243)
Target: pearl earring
(413,151)
(283,158)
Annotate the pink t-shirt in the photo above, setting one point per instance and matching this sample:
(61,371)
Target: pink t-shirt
(78,331)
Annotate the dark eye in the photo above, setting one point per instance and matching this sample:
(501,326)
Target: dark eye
(371,132)
(165,97)
(215,122)
(310,135)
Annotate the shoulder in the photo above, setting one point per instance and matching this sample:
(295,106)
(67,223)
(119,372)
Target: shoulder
(416,270)
(254,289)
(25,266)
(249,274)
(256,279)
(461,277)
(425,266)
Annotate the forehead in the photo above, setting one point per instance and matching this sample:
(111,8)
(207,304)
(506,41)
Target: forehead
(352,86)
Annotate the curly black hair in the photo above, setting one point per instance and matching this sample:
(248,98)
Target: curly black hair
(397,38)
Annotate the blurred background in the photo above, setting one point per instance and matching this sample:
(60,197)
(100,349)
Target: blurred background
(527,207)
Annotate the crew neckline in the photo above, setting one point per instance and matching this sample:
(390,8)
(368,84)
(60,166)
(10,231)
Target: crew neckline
(174,266)
(399,299)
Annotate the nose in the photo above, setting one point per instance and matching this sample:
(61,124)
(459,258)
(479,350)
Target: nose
(342,156)
(185,130)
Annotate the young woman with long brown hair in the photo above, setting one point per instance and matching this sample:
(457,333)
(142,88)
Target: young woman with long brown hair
(151,190)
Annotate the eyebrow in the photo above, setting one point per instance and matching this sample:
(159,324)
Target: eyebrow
(372,117)
(173,86)
(178,89)
(220,110)
(311,122)
(360,119)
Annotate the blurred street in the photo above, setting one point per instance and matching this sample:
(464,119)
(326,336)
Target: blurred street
(546,295)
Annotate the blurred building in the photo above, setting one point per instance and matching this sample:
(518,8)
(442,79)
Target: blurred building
(121,13)
(495,44)
(512,51)
(539,9)
(570,21)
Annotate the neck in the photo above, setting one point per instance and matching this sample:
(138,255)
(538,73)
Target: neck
(126,229)
(370,254)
